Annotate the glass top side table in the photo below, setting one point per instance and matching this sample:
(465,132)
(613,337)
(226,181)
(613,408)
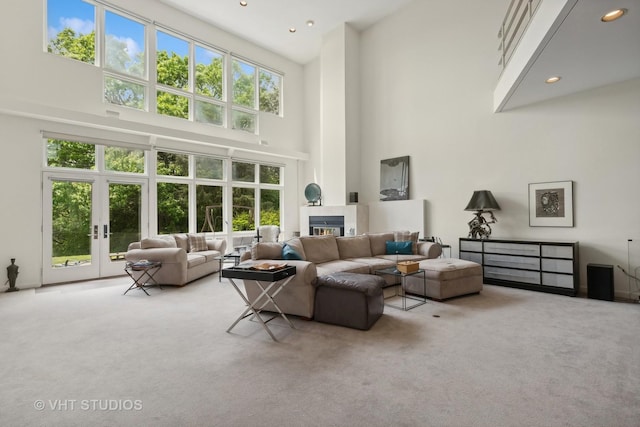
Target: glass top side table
(392,271)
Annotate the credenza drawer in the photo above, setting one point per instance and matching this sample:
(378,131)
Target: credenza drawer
(466,245)
(559,280)
(471,256)
(523,276)
(557,251)
(512,248)
(557,265)
(512,261)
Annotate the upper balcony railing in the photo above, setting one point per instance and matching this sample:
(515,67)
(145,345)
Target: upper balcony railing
(519,14)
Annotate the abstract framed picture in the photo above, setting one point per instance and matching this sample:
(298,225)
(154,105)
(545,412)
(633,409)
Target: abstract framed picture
(394,179)
(551,204)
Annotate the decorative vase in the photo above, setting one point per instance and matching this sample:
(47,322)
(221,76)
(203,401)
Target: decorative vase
(12,274)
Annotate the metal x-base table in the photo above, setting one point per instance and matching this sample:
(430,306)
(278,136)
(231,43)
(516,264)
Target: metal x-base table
(145,278)
(266,281)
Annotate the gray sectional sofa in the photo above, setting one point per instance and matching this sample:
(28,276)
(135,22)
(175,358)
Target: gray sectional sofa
(184,257)
(322,255)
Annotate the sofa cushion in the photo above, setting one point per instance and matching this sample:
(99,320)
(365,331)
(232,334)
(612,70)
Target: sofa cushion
(197,242)
(194,259)
(266,250)
(353,247)
(296,244)
(404,236)
(403,248)
(158,242)
(376,263)
(182,241)
(289,253)
(210,255)
(378,242)
(342,265)
(319,249)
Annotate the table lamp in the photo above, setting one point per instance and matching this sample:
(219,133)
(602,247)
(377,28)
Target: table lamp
(482,201)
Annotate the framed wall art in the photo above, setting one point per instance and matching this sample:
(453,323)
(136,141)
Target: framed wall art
(394,179)
(551,204)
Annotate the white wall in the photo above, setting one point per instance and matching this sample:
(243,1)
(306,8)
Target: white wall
(312,125)
(40,91)
(427,89)
(333,120)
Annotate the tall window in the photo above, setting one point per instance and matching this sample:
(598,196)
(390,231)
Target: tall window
(209,172)
(244,96)
(247,189)
(175,183)
(71,29)
(125,60)
(190,188)
(190,81)
(270,195)
(270,84)
(172,66)
(209,86)
(173,194)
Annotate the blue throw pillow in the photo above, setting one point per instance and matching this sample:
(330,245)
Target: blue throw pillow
(401,248)
(289,253)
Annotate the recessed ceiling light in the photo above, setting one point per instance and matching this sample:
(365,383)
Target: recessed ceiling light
(553,79)
(292,29)
(243,3)
(310,23)
(613,15)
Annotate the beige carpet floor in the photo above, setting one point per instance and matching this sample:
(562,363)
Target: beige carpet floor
(85,355)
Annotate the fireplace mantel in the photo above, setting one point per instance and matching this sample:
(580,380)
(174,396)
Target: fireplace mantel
(356,217)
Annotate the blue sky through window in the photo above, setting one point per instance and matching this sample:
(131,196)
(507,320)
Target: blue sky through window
(75,14)
(172,44)
(205,56)
(127,31)
(80,17)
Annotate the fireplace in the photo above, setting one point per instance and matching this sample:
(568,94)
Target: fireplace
(326,225)
(348,220)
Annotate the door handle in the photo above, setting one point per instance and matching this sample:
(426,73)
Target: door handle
(95,232)
(105,229)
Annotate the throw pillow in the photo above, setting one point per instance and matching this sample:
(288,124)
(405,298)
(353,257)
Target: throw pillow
(289,253)
(266,250)
(400,248)
(296,244)
(151,242)
(197,243)
(403,236)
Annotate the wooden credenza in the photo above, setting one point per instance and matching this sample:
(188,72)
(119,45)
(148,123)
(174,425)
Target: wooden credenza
(547,266)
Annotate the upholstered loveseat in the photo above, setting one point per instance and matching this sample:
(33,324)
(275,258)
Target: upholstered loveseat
(184,257)
(321,255)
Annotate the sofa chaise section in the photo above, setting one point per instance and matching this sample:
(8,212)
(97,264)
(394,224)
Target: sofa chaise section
(324,255)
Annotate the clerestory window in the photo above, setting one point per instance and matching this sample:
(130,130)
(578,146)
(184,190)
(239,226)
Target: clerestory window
(190,80)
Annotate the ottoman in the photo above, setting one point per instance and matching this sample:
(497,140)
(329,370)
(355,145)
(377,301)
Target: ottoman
(447,278)
(349,299)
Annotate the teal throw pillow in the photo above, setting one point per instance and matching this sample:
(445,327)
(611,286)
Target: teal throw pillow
(289,253)
(400,248)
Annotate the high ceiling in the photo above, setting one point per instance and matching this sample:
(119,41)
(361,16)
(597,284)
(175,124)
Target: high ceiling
(584,51)
(267,23)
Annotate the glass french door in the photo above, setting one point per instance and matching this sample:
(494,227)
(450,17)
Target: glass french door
(88,222)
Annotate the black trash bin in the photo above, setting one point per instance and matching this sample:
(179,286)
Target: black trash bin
(600,281)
